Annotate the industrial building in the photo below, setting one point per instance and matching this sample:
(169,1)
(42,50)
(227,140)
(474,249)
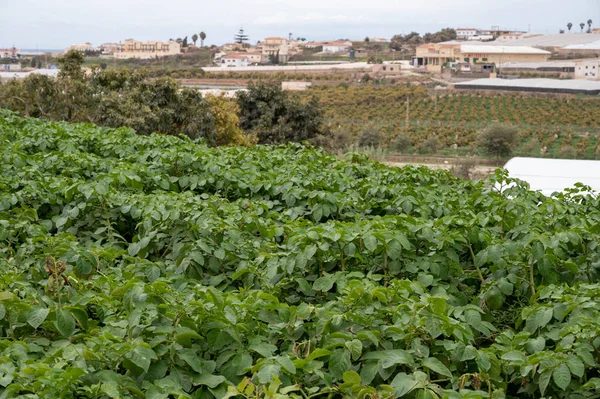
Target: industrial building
(434,55)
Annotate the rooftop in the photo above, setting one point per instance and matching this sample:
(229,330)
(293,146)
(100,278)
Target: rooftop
(484,48)
(556,40)
(570,86)
(552,175)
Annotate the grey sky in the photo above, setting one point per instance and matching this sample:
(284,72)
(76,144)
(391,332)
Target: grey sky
(58,23)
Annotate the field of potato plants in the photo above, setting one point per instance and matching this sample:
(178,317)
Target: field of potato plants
(157,267)
(566,127)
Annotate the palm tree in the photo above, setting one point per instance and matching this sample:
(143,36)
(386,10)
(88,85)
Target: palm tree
(194,38)
(202,37)
(590,25)
(582,25)
(569,26)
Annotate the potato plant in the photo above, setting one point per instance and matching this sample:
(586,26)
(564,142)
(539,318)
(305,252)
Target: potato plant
(158,267)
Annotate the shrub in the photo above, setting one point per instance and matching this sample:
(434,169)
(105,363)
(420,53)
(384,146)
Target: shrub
(498,140)
(431,145)
(370,137)
(463,167)
(401,143)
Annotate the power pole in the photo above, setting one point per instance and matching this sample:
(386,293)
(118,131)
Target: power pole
(407,112)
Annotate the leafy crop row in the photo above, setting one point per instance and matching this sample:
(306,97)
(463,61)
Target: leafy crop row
(153,266)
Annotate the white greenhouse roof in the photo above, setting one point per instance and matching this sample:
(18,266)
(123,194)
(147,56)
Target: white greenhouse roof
(556,40)
(553,175)
(485,48)
(540,85)
(536,65)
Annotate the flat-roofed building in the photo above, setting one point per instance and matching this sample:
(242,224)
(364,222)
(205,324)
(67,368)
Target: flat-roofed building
(336,47)
(587,69)
(9,52)
(466,33)
(146,50)
(434,55)
(235,60)
(84,48)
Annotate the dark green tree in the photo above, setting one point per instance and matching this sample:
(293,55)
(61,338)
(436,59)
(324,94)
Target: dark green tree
(195,38)
(270,113)
(202,38)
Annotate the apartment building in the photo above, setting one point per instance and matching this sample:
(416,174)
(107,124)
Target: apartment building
(142,50)
(278,47)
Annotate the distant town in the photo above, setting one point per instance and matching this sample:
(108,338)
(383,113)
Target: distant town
(463,52)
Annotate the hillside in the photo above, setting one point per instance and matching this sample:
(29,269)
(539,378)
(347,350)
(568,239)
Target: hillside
(154,266)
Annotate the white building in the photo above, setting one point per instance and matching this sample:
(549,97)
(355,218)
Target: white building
(466,33)
(85,47)
(234,60)
(587,69)
(336,47)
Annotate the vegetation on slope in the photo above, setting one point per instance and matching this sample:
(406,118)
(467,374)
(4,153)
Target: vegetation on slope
(151,266)
(548,126)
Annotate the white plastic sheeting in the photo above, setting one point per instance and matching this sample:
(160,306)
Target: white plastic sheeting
(552,175)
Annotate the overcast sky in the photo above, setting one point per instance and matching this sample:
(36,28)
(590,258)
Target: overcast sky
(55,24)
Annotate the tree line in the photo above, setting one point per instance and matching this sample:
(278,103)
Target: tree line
(414,39)
(114,98)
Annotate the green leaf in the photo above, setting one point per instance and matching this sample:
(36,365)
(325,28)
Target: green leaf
(535,345)
(403,384)
(287,364)
(351,377)
(435,365)
(370,242)
(324,283)
(191,358)
(339,363)
(220,253)
(317,353)
(438,305)
(65,323)
(538,319)
(355,347)
(210,380)
(2,311)
(267,372)
(142,357)
(576,366)
(263,348)
(390,358)
(36,316)
(544,380)
(514,357)
(562,376)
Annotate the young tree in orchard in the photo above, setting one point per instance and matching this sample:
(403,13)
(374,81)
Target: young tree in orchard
(194,38)
(498,140)
(202,38)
